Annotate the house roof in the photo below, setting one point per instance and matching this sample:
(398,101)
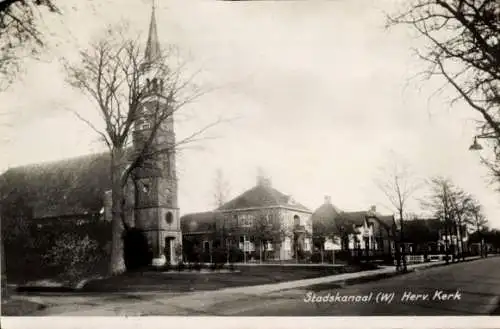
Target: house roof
(326,211)
(262,195)
(200,222)
(336,219)
(67,187)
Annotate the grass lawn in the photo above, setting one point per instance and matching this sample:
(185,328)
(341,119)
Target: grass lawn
(19,307)
(175,282)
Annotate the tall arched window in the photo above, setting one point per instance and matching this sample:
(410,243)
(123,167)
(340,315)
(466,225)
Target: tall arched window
(296,220)
(169,218)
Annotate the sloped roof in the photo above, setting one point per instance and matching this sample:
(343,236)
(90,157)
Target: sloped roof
(331,218)
(262,196)
(199,222)
(67,187)
(326,211)
(387,220)
(353,217)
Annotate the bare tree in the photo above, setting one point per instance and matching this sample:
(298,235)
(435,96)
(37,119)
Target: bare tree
(398,185)
(322,231)
(478,221)
(265,229)
(450,203)
(221,189)
(20,34)
(18,31)
(463,50)
(461,203)
(136,93)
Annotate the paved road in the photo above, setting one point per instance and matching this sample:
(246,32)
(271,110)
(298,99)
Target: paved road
(472,287)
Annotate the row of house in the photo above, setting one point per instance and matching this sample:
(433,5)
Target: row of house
(73,189)
(265,219)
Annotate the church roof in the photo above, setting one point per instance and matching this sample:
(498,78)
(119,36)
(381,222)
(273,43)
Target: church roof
(67,187)
(153,51)
(260,196)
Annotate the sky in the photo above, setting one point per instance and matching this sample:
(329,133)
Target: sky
(319,95)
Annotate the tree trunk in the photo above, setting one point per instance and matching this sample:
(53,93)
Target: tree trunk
(4,271)
(322,247)
(403,246)
(447,243)
(118,164)
(260,253)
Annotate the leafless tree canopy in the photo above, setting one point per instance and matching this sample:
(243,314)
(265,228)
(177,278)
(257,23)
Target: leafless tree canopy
(221,189)
(19,28)
(476,219)
(398,184)
(130,88)
(115,74)
(462,38)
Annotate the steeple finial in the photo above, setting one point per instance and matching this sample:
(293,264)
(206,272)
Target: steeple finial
(153,44)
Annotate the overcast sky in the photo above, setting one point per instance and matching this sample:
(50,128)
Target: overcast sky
(322,92)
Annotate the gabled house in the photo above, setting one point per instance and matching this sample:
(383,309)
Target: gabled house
(260,219)
(369,231)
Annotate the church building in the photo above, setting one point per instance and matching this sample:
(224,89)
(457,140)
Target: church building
(78,189)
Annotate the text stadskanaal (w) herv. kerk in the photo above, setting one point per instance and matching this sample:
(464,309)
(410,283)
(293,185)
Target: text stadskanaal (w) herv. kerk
(382,297)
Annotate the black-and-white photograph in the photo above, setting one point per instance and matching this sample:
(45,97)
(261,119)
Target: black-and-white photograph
(250,158)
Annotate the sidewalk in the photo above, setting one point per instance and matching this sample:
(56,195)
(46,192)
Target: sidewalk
(199,302)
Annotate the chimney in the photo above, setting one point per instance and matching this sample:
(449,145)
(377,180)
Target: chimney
(328,199)
(263,181)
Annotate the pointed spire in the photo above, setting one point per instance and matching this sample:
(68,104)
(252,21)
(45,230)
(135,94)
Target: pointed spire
(153,45)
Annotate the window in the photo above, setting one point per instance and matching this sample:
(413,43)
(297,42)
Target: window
(307,245)
(169,218)
(287,244)
(296,220)
(206,245)
(246,220)
(145,125)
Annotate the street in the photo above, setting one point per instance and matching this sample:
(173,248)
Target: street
(469,288)
(474,288)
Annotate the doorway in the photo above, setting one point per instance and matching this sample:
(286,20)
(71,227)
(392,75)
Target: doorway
(168,249)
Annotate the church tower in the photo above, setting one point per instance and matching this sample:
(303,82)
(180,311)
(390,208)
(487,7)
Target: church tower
(156,207)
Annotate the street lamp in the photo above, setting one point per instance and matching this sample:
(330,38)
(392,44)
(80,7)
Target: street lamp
(475,146)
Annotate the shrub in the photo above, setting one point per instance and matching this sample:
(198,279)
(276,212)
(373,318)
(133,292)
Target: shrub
(73,253)
(235,255)
(219,257)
